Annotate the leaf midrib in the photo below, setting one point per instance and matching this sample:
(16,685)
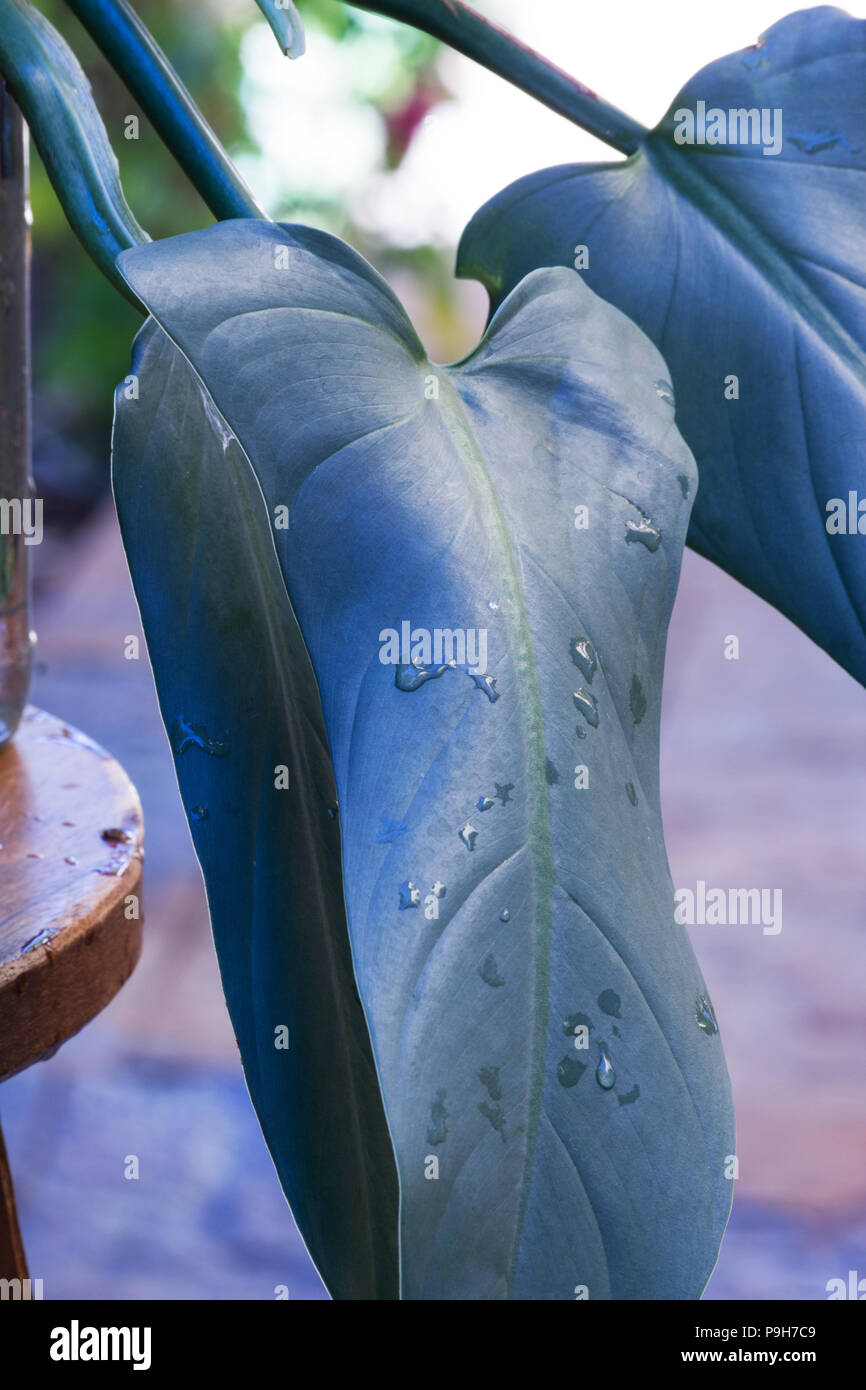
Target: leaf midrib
(757,247)
(525,674)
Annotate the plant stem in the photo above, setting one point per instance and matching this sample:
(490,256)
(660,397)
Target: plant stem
(140,62)
(54,96)
(469,33)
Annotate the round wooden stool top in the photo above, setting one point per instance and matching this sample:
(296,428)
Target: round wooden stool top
(70,873)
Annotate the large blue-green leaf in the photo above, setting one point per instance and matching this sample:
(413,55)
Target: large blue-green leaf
(495,907)
(748,265)
(240,700)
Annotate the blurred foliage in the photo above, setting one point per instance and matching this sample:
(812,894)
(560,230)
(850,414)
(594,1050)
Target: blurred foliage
(82,328)
(406,90)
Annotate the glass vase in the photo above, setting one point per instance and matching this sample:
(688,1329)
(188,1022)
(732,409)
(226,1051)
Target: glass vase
(20,513)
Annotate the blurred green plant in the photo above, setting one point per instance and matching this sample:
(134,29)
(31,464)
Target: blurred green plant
(74,377)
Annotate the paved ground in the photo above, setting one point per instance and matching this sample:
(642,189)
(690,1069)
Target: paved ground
(763,767)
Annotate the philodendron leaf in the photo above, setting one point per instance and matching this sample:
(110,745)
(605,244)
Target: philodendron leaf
(482,560)
(746,265)
(240,702)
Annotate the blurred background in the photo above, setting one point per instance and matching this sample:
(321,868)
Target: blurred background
(388,140)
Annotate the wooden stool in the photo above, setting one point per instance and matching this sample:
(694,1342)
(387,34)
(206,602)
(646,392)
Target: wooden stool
(70,915)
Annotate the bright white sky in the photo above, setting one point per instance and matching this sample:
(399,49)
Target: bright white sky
(315,135)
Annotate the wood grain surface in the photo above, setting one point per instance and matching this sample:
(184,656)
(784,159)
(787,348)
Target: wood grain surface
(70,873)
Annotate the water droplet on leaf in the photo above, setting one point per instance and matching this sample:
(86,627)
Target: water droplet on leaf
(185,735)
(410,896)
(468,835)
(637,700)
(604,1072)
(584,657)
(390,830)
(643,533)
(665,391)
(437,1130)
(413,675)
(569,1071)
(489,1077)
(610,1003)
(588,706)
(489,972)
(705,1015)
(487,684)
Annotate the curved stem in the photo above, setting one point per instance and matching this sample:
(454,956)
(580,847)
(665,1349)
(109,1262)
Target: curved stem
(49,86)
(469,33)
(286,25)
(141,64)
